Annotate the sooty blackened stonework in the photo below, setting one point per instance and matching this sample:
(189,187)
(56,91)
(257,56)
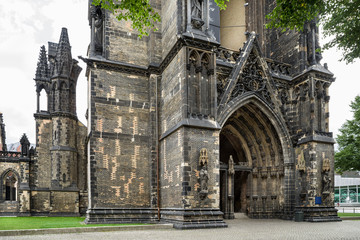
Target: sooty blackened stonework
(259,98)
(212,114)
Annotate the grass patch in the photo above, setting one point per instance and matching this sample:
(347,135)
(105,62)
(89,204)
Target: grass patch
(17,223)
(348,214)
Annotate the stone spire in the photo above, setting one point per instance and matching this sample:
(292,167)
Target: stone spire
(63,59)
(25,145)
(42,70)
(2,134)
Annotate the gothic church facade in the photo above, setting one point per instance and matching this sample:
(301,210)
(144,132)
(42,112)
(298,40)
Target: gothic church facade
(211,115)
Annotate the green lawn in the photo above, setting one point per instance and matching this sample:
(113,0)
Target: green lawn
(340,214)
(15,223)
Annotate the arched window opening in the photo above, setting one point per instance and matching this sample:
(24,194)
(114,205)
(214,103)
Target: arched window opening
(233,25)
(64,97)
(43,100)
(10,183)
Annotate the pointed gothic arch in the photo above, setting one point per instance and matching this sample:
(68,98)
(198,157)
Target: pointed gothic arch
(258,143)
(42,91)
(9,185)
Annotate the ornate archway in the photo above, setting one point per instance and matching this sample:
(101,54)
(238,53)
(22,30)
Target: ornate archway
(252,164)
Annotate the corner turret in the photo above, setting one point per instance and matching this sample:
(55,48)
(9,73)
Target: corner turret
(2,134)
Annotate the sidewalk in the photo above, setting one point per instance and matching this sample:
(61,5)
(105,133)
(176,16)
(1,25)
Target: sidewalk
(239,228)
(84,229)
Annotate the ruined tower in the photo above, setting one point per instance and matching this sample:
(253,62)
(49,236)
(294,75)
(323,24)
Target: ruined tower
(60,165)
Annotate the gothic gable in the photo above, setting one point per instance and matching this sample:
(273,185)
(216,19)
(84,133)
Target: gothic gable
(249,76)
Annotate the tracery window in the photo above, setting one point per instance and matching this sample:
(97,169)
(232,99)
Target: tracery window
(10,186)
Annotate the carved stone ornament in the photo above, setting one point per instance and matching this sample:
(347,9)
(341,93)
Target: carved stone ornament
(196,14)
(326,183)
(301,162)
(196,8)
(204,175)
(326,165)
(98,17)
(252,79)
(203,159)
(197,23)
(231,165)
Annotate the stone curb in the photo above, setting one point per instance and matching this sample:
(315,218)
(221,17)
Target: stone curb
(83,229)
(350,218)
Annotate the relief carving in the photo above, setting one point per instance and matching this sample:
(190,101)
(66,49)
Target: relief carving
(204,176)
(326,183)
(98,19)
(196,14)
(326,165)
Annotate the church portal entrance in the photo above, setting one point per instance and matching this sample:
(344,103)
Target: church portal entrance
(251,165)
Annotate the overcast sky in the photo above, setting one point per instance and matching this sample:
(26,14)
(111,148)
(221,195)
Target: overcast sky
(27,25)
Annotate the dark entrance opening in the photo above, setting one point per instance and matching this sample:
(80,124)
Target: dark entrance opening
(233,177)
(251,165)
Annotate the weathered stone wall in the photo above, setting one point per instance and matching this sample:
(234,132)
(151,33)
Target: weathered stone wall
(169,26)
(64,202)
(82,167)
(119,155)
(196,139)
(280,46)
(40,169)
(40,202)
(172,93)
(122,43)
(311,158)
(173,170)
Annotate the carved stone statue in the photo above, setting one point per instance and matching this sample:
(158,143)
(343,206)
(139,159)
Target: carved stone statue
(204,177)
(196,8)
(326,181)
(97,15)
(196,14)
(231,166)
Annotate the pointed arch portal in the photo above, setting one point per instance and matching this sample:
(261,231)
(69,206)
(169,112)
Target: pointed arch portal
(251,164)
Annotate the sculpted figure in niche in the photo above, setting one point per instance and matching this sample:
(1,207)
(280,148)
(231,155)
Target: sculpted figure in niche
(326,181)
(196,8)
(231,165)
(97,15)
(204,177)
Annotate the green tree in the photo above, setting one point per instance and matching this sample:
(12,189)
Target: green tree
(340,19)
(139,12)
(348,155)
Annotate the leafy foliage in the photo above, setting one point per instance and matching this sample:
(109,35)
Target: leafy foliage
(348,156)
(340,19)
(139,12)
(293,14)
(221,4)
